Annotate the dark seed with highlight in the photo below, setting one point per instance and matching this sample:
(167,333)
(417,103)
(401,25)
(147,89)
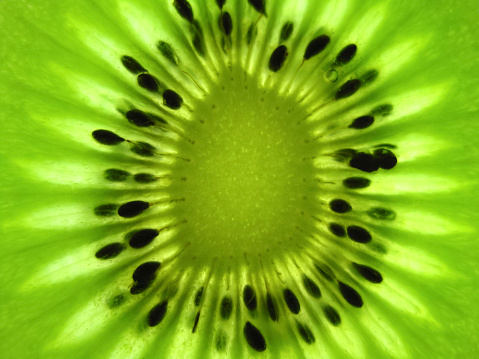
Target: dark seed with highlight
(167,51)
(362,122)
(364,162)
(254,337)
(348,89)
(172,100)
(291,301)
(106,137)
(271,305)
(346,55)
(337,229)
(356,182)
(143,149)
(311,287)
(332,315)
(105,210)
(132,209)
(350,295)
(278,58)
(139,118)
(132,65)
(386,158)
(359,234)
(157,314)
(110,251)
(339,206)
(226,23)
(184,10)
(226,308)
(249,297)
(305,333)
(142,238)
(259,6)
(368,273)
(148,82)
(315,46)
(144,178)
(286,31)
(116,175)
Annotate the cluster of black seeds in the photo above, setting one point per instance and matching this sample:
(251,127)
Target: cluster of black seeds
(380,157)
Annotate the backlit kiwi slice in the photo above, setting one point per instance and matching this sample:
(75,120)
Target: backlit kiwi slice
(239,179)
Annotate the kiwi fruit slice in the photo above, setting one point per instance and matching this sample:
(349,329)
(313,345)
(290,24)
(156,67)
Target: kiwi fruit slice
(239,179)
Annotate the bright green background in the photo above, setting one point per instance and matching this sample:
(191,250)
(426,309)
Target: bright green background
(28,321)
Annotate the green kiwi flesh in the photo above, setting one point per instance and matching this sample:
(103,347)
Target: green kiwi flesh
(239,179)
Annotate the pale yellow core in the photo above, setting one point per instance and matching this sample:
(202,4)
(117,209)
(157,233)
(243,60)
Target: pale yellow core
(246,187)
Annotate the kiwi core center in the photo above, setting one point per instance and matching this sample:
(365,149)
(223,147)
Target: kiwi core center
(245,185)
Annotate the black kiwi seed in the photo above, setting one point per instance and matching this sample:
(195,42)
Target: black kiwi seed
(387,159)
(142,238)
(145,272)
(148,82)
(226,23)
(277,59)
(132,65)
(382,214)
(226,308)
(220,3)
(116,175)
(157,314)
(259,6)
(356,182)
(106,137)
(132,209)
(172,100)
(368,273)
(305,333)
(332,315)
(184,10)
(286,31)
(311,287)
(337,229)
(271,305)
(359,234)
(143,149)
(350,295)
(364,162)
(249,297)
(346,55)
(106,210)
(167,51)
(198,40)
(315,46)
(198,296)
(339,206)
(144,178)
(254,337)
(362,122)
(143,276)
(348,89)
(291,301)
(139,118)
(110,251)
